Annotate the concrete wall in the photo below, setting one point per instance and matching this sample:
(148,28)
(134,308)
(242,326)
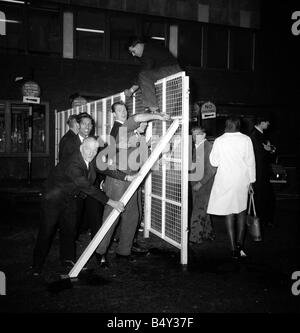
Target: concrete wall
(269,84)
(230,12)
(59,78)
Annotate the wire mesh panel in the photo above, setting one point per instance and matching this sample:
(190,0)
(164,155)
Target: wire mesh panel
(99,113)
(156,207)
(166,188)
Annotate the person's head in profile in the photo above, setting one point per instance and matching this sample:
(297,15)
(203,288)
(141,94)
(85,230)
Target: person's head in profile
(136,46)
(198,134)
(262,122)
(73,124)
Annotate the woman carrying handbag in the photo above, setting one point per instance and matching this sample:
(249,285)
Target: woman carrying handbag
(253,223)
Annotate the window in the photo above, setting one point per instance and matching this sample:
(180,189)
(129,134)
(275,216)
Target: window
(13,26)
(44,31)
(121,28)
(156,31)
(216,47)
(190,44)
(2,129)
(14,132)
(241,47)
(90,35)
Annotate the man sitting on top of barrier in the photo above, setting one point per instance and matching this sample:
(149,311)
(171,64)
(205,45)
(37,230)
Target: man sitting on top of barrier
(157,62)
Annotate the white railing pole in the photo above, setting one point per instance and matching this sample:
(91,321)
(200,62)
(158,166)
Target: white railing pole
(125,198)
(184,170)
(56,136)
(147,192)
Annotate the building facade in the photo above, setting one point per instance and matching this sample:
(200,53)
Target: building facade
(77,47)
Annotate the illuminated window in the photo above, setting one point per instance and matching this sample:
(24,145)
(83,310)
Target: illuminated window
(11,28)
(156,31)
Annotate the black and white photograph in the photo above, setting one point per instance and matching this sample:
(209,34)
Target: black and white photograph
(149,159)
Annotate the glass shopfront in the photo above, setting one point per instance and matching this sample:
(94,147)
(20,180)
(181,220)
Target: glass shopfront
(14,124)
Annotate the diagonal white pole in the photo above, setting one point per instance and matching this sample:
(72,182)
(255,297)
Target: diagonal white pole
(125,198)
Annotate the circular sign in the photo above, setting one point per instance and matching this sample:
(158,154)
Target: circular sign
(208,110)
(31,89)
(78,101)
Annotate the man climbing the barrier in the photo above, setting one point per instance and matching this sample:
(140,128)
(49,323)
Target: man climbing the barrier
(116,188)
(156,63)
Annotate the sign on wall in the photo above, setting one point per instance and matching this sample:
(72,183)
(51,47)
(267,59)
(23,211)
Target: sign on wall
(208,110)
(31,92)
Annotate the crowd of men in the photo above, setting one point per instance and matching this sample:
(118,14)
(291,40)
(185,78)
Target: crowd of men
(83,188)
(80,193)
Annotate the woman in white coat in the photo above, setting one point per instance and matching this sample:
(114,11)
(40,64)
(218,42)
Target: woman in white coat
(233,155)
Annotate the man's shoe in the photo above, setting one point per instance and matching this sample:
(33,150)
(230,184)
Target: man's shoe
(102,260)
(136,248)
(241,251)
(129,258)
(69,264)
(35,271)
(235,254)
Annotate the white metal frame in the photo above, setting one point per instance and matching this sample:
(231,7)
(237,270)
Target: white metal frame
(183,118)
(125,198)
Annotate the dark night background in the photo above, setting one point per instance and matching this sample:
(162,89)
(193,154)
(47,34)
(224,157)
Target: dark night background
(157,283)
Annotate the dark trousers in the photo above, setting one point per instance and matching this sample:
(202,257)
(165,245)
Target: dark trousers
(93,212)
(264,199)
(89,215)
(129,219)
(146,80)
(59,210)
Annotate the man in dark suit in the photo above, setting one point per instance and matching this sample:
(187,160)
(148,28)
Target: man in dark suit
(68,180)
(69,143)
(89,210)
(156,63)
(263,191)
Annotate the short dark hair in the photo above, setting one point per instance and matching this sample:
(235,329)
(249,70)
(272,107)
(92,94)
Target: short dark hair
(259,119)
(71,118)
(133,40)
(200,127)
(113,107)
(82,115)
(232,124)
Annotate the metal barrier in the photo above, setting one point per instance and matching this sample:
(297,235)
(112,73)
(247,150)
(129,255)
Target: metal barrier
(166,186)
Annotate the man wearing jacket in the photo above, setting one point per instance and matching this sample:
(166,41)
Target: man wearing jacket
(263,191)
(68,180)
(115,188)
(156,63)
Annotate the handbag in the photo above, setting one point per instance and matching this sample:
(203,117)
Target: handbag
(253,223)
